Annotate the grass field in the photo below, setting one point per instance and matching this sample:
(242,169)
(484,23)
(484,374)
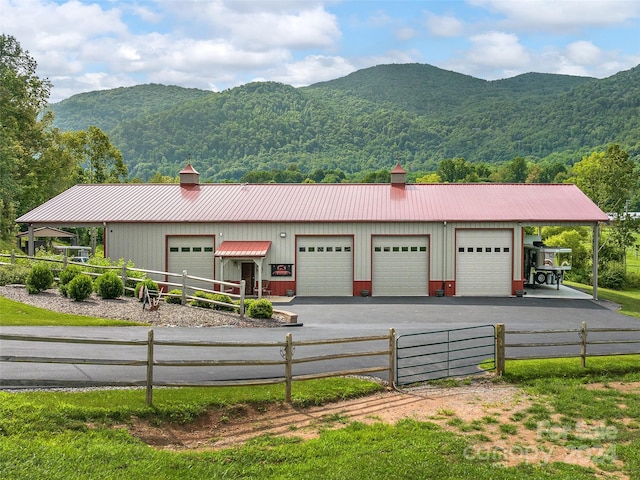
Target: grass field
(16,313)
(71,435)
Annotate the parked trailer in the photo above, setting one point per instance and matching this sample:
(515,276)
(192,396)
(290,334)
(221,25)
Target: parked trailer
(545,265)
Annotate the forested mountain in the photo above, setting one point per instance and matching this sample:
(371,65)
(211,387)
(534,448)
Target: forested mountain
(414,114)
(107,108)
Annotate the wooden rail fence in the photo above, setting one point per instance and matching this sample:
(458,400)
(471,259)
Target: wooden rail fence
(131,276)
(581,342)
(151,361)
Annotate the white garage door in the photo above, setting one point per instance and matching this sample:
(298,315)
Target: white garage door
(325,266)
(193,254)
(400,266)
(484,262)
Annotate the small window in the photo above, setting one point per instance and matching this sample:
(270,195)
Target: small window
(487,249)
(197,249)
(377,249)
(208,249)
(478,249)
(185,249)
(414,249)
(312,249)
(405,249)
(470,249)
(347,249)
(396,249)
(460,249)
(497,249)
(329,249)
(302,249)
(387,249)
(505,249)
(338,249)
(321,249)
(423,249)
(173,249)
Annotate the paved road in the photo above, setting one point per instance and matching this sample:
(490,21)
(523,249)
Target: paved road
(322,318)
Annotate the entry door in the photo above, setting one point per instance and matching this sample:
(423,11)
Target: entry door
(249,277)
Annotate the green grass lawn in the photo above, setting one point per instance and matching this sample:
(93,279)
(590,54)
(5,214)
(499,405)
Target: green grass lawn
(629,300)
(62,435)
(16,313)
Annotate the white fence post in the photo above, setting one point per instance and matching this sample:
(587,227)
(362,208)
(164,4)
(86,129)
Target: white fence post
(184,287)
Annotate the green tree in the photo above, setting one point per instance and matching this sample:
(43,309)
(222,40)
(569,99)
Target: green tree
(454,170)
(515,171)
(23,128)
(608,178)
(98,160)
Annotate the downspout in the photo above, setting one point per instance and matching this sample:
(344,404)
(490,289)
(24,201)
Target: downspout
(444,256)
(594,268)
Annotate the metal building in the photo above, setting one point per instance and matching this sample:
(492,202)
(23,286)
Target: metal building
(326,239)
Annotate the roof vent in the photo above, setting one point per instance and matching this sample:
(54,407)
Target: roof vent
(398,176)
(189,176)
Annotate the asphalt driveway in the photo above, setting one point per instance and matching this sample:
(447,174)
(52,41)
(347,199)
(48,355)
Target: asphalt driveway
(322,318)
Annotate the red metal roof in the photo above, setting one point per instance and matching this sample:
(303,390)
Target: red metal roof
(95,204)
(243,249)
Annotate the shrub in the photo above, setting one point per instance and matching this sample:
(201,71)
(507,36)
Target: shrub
(68,274)
(221,297)
(80,287)
(260,309)
(633,280)
(200,303)
(40,278)
(109,285)
(612,276)
(14,274)
(178,299)
(150,284)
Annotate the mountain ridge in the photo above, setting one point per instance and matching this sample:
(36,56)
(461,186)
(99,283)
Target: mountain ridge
(416,114)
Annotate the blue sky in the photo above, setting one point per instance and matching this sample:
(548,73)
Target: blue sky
(85,45)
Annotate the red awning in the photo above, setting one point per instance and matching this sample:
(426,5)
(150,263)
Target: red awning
(243,249)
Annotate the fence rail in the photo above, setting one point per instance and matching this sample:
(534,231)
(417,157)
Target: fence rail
(129,279)
(582,342)
(286,351)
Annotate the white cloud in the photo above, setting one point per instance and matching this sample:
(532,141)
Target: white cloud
(444,25)
(558,15)
(583,53)
(312,69)
(497,50)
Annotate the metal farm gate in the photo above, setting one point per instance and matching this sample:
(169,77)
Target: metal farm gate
(444,353)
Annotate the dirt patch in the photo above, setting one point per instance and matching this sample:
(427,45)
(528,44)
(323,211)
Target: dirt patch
(622,387)
(491,415)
